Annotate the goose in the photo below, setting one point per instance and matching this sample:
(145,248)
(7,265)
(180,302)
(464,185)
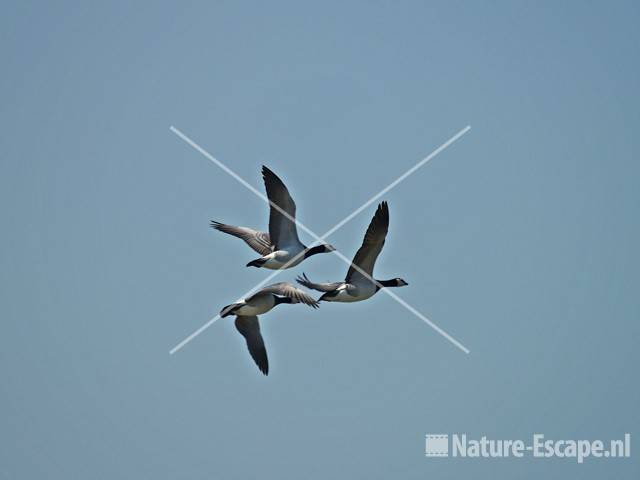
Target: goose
(356,286)
(248,309)
(281,247)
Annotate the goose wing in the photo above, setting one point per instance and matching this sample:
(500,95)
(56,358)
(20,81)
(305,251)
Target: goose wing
(372,244)
(321,287)
(282,228)
(286,289)
(259,241)
(250,330)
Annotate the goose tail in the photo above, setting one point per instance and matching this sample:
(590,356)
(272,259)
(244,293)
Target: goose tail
(258,263)
(228,310)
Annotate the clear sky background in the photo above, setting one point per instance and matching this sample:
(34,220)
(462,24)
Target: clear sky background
(521,240)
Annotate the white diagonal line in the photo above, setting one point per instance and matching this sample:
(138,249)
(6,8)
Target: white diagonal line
(217,317)
(321,238)
(405,304)
(426,320)
(194,335)
(225,168)
(256,192)
(399,179)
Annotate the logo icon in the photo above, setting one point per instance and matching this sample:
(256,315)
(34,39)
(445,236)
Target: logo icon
(436,445)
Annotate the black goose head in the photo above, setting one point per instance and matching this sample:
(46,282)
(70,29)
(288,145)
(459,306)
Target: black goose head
(323,248)
(394,282)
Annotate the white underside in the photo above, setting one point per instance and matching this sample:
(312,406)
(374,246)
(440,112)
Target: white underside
(257,306)
(361,292)
(278,259)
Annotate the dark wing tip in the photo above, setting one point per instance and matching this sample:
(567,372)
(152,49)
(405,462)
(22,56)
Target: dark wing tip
(266,171)
(249,328)
(383,208)
(270,177)
(305,282)
(309,300)
(218,226)
(303,297)
(382,213)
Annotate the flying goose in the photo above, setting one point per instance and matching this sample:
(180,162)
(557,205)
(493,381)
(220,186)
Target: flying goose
(247,311)
(356,286)
(281,245)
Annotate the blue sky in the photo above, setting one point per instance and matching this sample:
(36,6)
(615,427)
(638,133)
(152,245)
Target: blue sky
(520,240)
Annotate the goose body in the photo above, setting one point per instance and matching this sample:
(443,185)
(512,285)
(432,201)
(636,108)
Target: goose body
(359,284)
(281,247)
(285,258)
(248,309)
(256,306)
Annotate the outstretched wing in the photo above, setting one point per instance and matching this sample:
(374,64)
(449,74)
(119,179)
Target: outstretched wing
(372,244)
(321,287)
(285,289)
(282,228)
(259,241)
(250,330)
